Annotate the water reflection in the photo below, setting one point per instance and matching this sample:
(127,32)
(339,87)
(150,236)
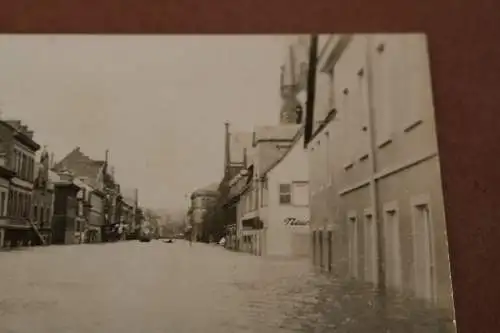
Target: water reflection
(317,302)
(133,287)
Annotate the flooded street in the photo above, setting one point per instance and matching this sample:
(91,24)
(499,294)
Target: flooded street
(158,287)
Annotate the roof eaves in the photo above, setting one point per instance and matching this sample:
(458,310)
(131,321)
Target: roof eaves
(328,119)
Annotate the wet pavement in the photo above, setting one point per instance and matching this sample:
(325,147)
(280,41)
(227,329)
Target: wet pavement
(158,287)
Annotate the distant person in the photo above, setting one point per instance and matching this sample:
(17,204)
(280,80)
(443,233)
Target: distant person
(189,235)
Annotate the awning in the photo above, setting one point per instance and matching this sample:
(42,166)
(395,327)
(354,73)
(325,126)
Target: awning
(13,223)
(252,222)
(250,215)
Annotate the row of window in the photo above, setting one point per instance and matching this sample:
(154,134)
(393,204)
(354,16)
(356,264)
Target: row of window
(423,260)
(3,203)
(41,214)
(19,204)
(24,165)
(296,193)
(400,90)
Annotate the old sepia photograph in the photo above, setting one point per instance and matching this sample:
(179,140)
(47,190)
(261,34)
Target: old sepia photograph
(221,184)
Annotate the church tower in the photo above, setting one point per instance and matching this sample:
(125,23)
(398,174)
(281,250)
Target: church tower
(292,81)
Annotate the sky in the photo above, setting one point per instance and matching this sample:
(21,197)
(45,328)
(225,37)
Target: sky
(158,103)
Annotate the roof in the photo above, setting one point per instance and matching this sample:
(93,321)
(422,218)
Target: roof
(269,155)
(83,184)
(240,183)
(210,190)
(266,155)
(282,132)
(328,119)
(296,140)
(22,133)
(82,167)
(54,177)
(238,141)
(212,187)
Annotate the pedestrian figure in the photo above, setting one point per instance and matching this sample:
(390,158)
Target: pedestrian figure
(189,235)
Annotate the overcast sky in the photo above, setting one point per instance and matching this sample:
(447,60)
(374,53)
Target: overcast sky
(158,103)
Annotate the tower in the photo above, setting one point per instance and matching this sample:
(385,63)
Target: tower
(291,83)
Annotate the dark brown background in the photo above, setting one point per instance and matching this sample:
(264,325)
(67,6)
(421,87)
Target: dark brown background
(464,41)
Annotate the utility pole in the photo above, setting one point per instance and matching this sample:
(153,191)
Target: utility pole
(311,89)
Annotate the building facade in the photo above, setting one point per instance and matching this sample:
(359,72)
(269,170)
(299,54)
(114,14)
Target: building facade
(43,198)
(96,217)
(377,211)
(84,208)
(130,205)
(237,189)
(19,151)
(223,216)
(284,203)
(6,174)
(269,144)
(101,199)
(202,201)
(65,226)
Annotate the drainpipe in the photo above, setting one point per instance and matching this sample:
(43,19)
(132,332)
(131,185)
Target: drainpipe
(373,164)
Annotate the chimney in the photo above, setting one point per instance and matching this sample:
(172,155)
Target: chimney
(106,158)
(227,157)
(51,160)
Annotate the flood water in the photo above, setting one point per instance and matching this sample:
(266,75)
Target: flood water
(158,287)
